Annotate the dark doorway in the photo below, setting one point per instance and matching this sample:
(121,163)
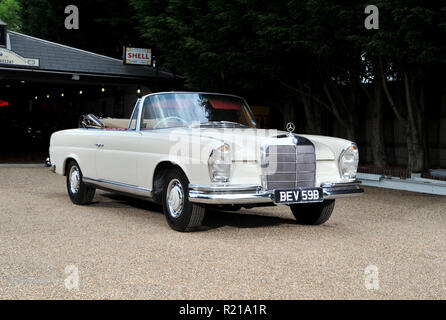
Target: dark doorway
(31,111)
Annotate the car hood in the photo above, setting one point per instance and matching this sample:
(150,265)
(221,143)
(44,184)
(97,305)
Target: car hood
(246,142)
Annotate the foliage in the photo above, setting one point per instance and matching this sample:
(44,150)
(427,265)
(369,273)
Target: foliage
(105,26)
(10,13)
(317,51)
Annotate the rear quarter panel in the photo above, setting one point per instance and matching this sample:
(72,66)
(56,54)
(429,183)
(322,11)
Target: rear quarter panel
(78,144)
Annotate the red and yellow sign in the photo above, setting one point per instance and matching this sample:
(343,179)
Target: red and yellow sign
(139,56)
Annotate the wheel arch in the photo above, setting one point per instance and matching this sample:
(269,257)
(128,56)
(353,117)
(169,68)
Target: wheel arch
(66,161)
(158,176)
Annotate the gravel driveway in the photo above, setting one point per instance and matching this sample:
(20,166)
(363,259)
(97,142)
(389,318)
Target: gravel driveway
(391,242)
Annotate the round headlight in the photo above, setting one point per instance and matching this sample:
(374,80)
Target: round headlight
(348,162)
(220,164)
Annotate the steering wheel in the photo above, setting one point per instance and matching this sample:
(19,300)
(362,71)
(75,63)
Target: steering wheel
(169,118)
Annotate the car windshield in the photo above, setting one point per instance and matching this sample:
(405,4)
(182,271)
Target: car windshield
(169,110)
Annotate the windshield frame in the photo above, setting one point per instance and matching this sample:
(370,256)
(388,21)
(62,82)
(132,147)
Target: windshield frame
(143,99)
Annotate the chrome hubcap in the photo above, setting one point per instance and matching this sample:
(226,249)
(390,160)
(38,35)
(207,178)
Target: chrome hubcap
(75,179)
(175,198)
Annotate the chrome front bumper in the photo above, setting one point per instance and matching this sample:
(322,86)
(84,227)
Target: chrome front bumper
(251,194)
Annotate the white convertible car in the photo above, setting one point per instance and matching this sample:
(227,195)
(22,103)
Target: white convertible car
(191,150)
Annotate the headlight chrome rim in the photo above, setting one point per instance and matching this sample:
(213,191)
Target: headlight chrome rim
(350,148)
(225,159)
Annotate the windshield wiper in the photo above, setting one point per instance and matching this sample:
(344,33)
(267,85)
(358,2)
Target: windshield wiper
(223,122)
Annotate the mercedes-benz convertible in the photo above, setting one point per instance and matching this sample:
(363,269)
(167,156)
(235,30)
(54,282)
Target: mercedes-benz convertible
(189,151)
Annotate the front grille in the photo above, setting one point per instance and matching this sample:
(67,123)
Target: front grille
(289,166)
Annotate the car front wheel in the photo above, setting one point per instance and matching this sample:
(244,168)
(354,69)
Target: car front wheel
(313,213)
(181,214)
(78,191)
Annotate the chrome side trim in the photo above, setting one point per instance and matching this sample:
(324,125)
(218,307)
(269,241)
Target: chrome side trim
(224,188)
(135,109)
(139,116)
(143,99)
(229,198)
(193,92)
(117,186)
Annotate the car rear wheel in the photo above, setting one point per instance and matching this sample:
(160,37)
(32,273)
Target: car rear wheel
(313,213)
(181,214)
(78,191)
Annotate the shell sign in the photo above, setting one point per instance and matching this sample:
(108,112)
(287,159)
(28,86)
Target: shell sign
(138,56)
(11,58)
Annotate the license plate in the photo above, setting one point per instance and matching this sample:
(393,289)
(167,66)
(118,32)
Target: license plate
(300,195)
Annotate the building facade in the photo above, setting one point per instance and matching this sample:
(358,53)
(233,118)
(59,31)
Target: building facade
(46,86)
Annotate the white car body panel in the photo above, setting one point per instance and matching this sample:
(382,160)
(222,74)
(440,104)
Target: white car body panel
(131,157)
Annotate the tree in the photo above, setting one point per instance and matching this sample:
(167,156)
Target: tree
(408,46)
(314,51)
(10,11)
(105,26)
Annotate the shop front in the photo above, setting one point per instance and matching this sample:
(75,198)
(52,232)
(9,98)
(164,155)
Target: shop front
(46,86)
